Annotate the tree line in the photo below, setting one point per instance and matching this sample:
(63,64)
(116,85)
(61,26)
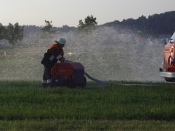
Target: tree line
(12,33)
(155,24)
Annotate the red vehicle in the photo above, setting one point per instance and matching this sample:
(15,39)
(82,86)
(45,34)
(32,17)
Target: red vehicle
(69,74)
(168,67)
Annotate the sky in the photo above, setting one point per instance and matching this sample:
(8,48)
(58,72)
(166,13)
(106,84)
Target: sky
(69,12)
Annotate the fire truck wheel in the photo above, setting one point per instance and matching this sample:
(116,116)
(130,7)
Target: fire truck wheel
(170,79)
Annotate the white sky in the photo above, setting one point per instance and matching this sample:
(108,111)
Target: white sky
(69,12)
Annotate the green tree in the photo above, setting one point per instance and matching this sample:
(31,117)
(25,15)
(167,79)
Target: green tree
(13,33)
(2,29)
(142,23)
(88,24)
(47,28)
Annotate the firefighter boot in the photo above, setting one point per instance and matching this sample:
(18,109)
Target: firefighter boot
(44,83)
(49,83)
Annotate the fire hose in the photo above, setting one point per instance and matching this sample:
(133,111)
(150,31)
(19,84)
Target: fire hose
(90,77)
(96,80)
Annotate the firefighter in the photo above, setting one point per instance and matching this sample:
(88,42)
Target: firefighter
(53,54)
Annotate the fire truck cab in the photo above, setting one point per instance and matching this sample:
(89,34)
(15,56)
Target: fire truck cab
(168,66)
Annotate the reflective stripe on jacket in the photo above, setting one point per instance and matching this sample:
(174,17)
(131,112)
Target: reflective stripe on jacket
(53,54)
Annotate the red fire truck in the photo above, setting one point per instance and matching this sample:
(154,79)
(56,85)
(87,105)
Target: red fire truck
(168,66)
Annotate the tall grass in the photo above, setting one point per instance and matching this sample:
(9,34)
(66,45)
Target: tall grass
(27,101)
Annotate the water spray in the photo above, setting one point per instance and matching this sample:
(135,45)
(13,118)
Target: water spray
(107,53)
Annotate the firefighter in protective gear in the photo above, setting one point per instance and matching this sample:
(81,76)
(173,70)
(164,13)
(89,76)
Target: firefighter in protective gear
(53,54)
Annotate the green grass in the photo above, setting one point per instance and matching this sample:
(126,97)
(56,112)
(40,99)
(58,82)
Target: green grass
(24,105)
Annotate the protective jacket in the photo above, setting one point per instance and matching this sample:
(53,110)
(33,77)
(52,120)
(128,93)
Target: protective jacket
(53,54)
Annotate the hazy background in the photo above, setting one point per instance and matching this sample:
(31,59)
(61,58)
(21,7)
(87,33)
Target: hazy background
(106,53)
(69,12)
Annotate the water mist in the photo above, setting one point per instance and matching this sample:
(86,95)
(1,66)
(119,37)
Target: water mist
(106,54)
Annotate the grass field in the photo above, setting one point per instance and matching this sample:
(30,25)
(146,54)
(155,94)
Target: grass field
(25,106)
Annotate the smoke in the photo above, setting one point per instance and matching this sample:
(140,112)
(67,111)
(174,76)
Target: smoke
(106,53)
